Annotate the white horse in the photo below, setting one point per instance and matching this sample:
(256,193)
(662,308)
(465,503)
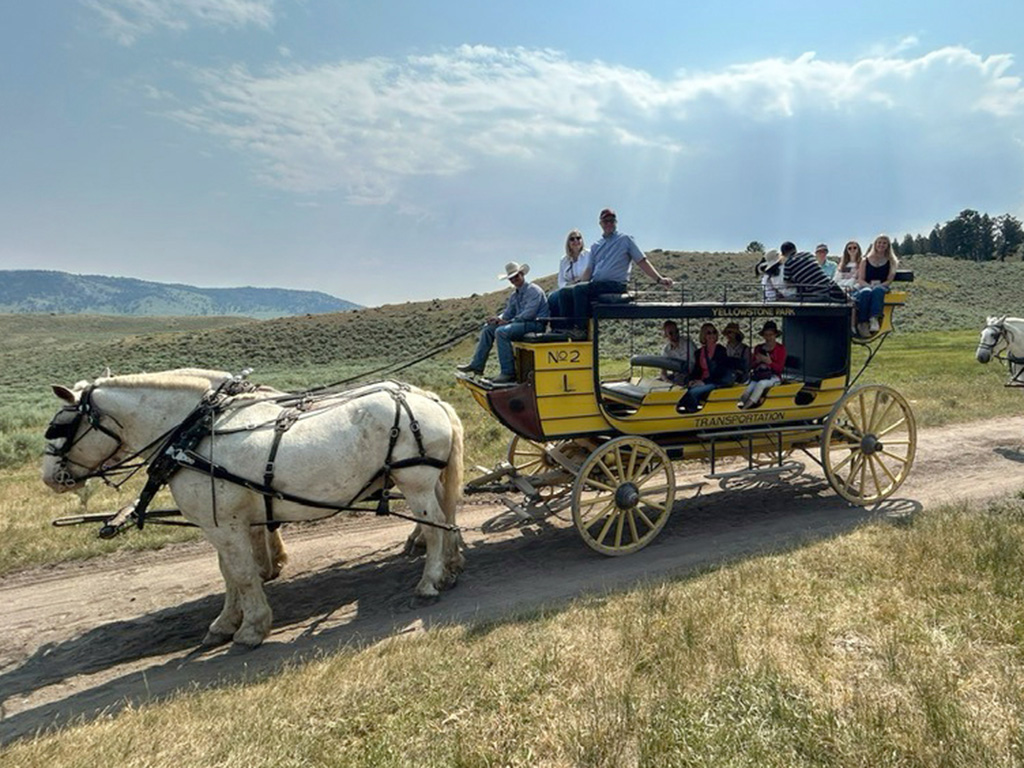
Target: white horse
(330,453)
(1004,334)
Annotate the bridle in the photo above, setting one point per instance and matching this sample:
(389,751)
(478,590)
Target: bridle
(998,330)
(65,426)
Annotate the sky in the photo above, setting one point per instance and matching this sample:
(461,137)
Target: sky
(402,150)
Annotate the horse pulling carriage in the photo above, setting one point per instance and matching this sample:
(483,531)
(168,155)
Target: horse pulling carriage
(240,459)
(596,429)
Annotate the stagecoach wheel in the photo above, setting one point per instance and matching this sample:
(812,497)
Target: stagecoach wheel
(528,457)
(869,444)
(623,495)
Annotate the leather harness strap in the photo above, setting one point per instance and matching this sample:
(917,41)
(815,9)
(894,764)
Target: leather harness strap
(179,451)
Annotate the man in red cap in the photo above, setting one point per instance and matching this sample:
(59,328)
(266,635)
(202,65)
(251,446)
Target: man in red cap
(611,258)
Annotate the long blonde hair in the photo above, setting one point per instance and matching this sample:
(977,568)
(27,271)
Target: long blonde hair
(890,254)
(572,232)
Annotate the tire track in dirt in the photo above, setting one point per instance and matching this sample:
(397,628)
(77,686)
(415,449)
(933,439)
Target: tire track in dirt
(85,638)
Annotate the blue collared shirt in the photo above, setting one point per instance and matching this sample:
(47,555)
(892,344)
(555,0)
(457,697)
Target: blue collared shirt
(612,257)
(527,302)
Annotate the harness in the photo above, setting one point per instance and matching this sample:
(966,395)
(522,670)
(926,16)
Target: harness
(1015,362)
(178,448)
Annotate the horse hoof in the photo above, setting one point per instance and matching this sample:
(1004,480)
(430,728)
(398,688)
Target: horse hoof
(213,639)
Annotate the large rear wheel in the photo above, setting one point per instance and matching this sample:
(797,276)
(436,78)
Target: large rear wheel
(623,495)
(869,443)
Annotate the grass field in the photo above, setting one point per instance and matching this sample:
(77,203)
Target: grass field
(889,646)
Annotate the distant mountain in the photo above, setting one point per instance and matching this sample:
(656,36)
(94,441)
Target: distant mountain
(35,290)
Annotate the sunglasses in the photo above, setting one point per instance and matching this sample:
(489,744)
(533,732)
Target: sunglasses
(575,237)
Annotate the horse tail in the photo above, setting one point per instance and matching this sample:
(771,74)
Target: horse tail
(451,475)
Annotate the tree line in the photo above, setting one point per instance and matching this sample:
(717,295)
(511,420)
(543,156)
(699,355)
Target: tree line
(971,235)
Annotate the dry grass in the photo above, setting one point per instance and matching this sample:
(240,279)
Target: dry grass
(896,645)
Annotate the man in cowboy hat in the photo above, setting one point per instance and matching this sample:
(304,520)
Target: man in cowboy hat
(612,257)
(526,311)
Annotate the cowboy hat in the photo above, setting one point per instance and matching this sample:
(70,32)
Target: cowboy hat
(514,268)
(768,263)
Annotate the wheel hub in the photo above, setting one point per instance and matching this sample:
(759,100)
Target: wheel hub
(627,496)
(870,444)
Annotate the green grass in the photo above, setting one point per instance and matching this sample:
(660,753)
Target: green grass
(889,646)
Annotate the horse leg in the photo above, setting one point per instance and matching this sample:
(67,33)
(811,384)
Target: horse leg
(268,549)
(423,503)
(454,562)
(246,610)
(230,617)
(414,540)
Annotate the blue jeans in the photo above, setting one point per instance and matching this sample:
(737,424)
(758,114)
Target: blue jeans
(555,313)
(505,335)
(696,395)
(577,300)
(870,300)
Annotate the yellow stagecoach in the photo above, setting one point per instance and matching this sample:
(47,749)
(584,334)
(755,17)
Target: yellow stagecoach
(596,429)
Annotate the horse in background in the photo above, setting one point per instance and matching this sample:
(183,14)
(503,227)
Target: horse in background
(330,454)
(1003,337)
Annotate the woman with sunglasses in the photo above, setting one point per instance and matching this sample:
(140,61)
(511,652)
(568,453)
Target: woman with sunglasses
(846,274)
(573,268)
(714,369)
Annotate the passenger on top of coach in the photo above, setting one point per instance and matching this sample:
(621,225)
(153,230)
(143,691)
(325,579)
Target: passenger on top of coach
(802,272)
(874,276)
(573,268)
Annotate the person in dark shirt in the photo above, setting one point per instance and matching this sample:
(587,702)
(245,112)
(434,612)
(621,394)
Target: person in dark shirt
(714,369)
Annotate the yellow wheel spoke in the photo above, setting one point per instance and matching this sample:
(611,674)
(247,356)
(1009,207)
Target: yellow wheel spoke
(876,423)
(891,476)
(647,521)
(869,422)
(891,427)
(620,521)
(603,498)
(630,468)
(608,473)
(632,526)
(874,474)
(603,512)
(841,464)
(900,459)
(851,436)
(606,527)
(592,483)
(643,466)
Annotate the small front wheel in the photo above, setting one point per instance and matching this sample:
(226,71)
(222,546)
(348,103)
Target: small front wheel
(869,443)
(623,495)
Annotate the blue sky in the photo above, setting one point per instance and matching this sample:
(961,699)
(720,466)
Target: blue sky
(390,151)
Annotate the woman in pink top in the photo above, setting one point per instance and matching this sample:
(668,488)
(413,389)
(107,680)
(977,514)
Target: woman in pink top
(768,360)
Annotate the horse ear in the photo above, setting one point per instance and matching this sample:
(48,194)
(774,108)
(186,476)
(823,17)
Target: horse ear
(63,393)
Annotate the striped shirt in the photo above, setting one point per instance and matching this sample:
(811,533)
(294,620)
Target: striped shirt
(802,272)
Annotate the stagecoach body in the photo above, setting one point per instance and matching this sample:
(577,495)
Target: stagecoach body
(584,411)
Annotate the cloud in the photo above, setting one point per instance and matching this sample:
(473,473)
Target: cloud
(378,129)
(128,20)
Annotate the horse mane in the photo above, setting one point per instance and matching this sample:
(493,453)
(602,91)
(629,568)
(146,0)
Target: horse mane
(199,379)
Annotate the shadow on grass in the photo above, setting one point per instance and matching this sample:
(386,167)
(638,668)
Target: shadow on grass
(356,604)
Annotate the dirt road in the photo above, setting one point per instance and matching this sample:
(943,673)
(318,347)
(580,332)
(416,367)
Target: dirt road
(81,639)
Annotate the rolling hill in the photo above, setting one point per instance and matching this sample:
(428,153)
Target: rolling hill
(64,293)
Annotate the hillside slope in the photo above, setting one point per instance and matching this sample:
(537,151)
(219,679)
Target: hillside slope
(64,293)
(947,294)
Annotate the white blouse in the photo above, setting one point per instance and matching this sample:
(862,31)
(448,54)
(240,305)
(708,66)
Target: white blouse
(571,272)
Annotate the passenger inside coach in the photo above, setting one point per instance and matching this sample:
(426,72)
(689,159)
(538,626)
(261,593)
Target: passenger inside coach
(679,348)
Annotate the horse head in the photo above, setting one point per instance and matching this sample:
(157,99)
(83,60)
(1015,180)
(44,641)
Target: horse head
(991,335)
(80,439)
